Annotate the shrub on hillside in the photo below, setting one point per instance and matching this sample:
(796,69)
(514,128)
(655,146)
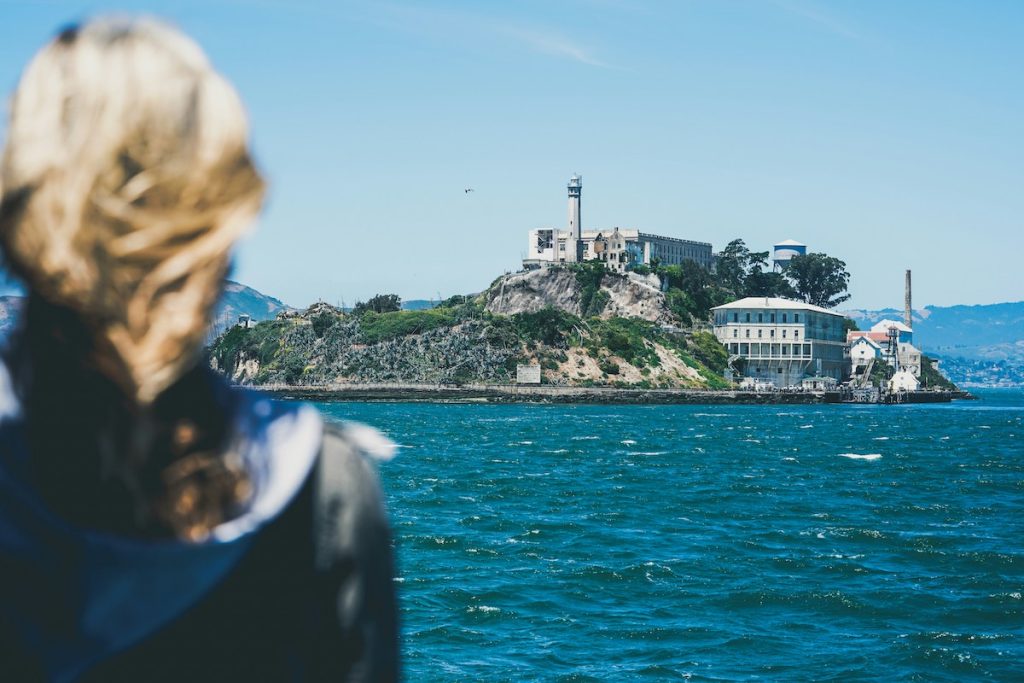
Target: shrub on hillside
(378,327)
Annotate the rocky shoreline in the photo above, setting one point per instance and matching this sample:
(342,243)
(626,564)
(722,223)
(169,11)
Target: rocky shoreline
(511,393)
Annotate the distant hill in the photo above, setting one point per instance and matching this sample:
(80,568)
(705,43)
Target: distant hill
(237,300)
(417,304)
(241,300)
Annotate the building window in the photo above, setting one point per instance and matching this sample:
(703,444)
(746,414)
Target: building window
(748,317)
(796,317)
(773,317)
(796,334)
(773,334)
(783,317)
(760,317)
(748,334)
(783,334)
(759,333)
(735,317)
(735,333)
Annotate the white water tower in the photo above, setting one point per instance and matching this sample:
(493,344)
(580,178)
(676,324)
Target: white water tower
(784,251)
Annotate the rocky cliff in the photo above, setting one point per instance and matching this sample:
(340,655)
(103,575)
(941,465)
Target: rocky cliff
(567,288)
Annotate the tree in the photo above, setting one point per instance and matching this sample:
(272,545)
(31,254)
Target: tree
(381,303)
(819,279)
(731,266)
(763,283)
(743,272)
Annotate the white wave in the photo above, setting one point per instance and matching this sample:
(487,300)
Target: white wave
(858,456)
(585,438)
(484,608)
(806,426)
(628,442)
(881,438)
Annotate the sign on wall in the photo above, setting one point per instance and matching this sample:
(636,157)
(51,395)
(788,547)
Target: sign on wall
(527,374)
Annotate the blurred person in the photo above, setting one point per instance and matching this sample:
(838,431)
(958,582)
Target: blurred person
(155,523)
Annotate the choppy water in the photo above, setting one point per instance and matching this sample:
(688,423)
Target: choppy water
(611,543)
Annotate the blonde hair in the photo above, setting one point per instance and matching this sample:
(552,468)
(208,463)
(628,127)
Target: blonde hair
(126,180)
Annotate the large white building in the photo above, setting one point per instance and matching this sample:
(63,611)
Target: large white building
(618,248)
(780,341)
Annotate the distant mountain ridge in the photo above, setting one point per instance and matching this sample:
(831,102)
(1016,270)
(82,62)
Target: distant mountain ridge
(993,332)
(237,300)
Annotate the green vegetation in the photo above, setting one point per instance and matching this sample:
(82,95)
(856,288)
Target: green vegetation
(819,279)
(260,343)
(589,276)
(324,322)
(631,339)
(549,326)
(378,327)
(709,351)
(931,378)
(881,373)
(381,303)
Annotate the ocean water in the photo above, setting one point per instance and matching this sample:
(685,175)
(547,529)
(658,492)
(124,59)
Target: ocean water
(708,543)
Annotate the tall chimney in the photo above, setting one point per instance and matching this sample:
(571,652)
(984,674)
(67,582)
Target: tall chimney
(907,319)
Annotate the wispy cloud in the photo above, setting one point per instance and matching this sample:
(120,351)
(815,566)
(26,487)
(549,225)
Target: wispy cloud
(449,24)
(552,44)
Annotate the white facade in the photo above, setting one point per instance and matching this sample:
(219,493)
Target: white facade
(783,341)
(618,248)
(862,351)
(904,380)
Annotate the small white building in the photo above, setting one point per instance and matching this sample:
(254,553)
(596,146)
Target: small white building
(862,351)
(782,341)
(904,380)
(818,383)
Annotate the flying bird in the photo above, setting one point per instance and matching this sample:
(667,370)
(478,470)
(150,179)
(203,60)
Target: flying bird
(468,190)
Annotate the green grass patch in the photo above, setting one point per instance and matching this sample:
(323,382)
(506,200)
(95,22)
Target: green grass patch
(379,327)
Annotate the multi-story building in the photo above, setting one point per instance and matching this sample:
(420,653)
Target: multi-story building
(781,342)
(618,248)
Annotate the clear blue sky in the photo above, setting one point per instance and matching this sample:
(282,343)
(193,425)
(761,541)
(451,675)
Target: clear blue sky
(889,134)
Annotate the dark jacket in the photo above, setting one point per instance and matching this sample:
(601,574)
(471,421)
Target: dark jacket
(301,590)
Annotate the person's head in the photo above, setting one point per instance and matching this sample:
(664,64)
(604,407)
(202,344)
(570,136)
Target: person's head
(126,179)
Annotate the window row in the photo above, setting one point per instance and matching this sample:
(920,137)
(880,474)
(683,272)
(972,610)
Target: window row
(760,334)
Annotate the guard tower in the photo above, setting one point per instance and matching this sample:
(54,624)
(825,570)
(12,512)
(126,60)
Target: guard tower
(574,241)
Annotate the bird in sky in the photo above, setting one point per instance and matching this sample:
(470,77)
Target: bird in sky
(468,190)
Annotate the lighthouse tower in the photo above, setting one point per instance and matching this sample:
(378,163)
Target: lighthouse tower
(574,240)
